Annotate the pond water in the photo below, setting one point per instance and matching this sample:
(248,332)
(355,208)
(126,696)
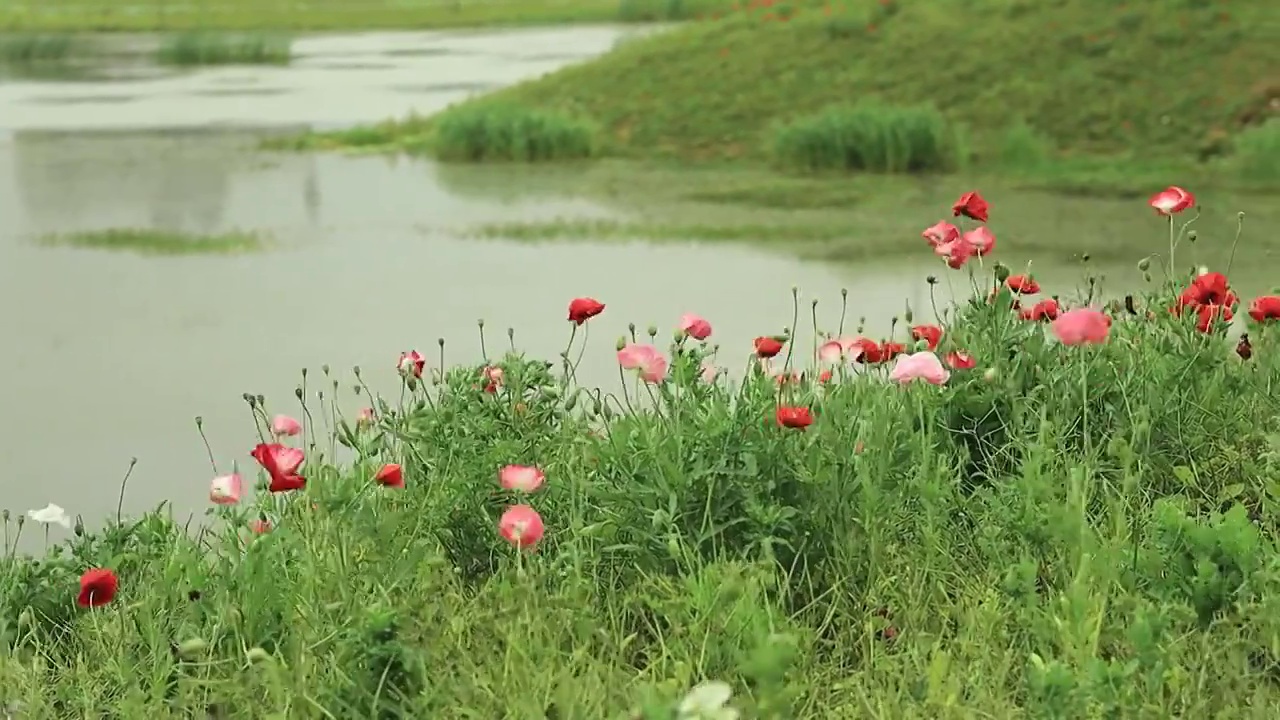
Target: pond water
(112,355)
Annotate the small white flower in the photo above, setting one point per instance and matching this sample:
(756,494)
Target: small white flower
(708,702)
(50,514)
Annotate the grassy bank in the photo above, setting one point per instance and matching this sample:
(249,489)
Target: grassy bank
(1010,86)
(200,47)
(158,15)
(1041,519)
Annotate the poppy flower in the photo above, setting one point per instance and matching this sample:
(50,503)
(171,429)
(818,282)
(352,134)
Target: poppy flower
(390,475)
(767,347)
(797,418)
(695,326)
(867,351)
(97,588)
(940,233)
(919,366)
(1042,311)
(981,239)
(1022,284)
(890,350)
(583,309)
(521,526)
(1207,316)
(1081,326)
(411,364)
(366,417)
(259,526)
(971,205)
(281,463)
(645,358)
(1264,308)
(491,378)
(1244,348)
(931,334)
(708,371)
(524,478)
(1210,288)
(955,253)
(226,489)
(960,360)
(1172,200)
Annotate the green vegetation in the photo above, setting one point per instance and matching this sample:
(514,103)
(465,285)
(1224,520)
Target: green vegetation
(38,48)
(868,138)
(199,47)
(148,241)
(255,15)
(1046,83)
(1053,530)
(511,133)
(1257,153)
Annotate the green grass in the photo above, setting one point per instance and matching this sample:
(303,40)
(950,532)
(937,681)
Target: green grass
(511,133)
(200,47)
(1059,532)
(255,15)
(147,241)
(24,49)
(1059,73)
(1257,153)
(867,138)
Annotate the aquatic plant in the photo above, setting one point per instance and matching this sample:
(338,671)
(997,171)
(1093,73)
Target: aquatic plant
(203,47)
(1021,505)
(868,137)
(511,133)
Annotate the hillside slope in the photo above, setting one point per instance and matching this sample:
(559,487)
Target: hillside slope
(1160,78)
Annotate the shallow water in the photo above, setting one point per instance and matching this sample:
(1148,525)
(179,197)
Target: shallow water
(112,355)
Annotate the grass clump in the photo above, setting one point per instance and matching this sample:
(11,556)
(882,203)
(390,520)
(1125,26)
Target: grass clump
(26,49)
(1043,523)
(512,133)
(1257,153)
(867,138)
(150,241)
(200,47)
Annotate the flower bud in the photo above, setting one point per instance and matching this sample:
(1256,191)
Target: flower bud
(257,655)
(991,375)
(653,331)
(1145,264)
(622,342)
(1002,272)
(1192,235)
(192,647)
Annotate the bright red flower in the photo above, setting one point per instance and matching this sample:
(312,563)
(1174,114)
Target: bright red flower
(1172,200)
(891,350)
(583,309)
(97,588)
(868,350)
(931,334)
(971,205)
(1207,316)
(390,475)
(940,233)
(981,239)
(767,347)
(1211,288)
(281,463)
(798,418)
(1265,307)
(824,377)
(1022,284)
(1042,311)
(960,360)
(956,252)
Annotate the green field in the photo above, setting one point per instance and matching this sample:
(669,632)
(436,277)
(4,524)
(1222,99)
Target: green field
(151,15)
(1024,87)
(1068,524)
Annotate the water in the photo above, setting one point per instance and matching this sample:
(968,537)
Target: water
(112,355)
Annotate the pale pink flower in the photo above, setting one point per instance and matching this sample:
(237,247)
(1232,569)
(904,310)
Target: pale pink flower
(981,239)
(923,365)
(645,358)
(1172,200)
(842,349)
(259,526)
(956,252)
(282,425)
(708,371)
(524,478)
(1082,326)
(226,489)
(521,526)
(365,417)
(695,326)
(411,364)
(940,233)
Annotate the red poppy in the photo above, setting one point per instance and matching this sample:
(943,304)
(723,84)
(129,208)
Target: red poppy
(281,463)
(1212,299)
(891,350)
(1265,307)
(1042,311)
(97,587)
(932,334)
(824,377)
(767,347)
(798,418)
(390,475)
(1207,316)
(1022,284)
(869,351)
(971,205)
(960,360)
(583,309)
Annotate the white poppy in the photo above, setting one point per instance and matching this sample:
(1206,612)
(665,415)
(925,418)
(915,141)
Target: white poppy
(707,702)
(50,514)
